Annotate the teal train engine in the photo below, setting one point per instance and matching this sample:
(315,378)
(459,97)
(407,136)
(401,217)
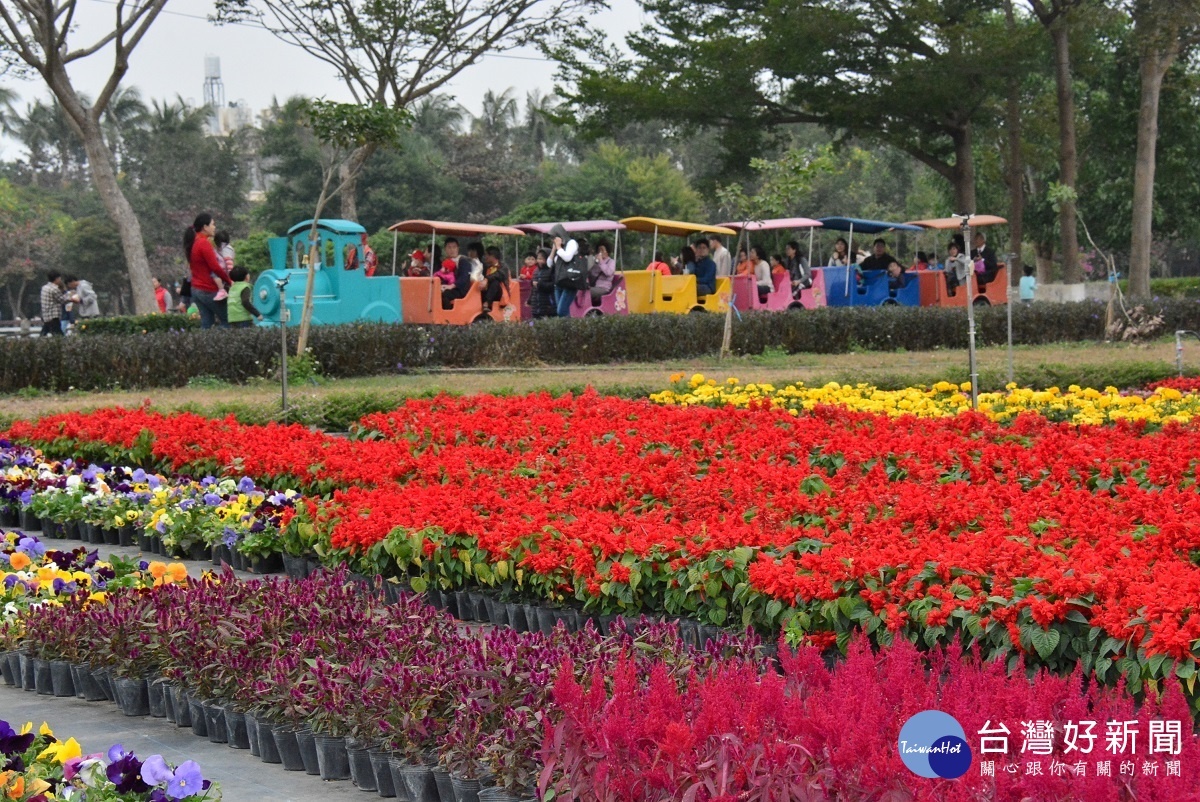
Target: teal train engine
(340,295)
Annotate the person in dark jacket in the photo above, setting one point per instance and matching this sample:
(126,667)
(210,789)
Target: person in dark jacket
(542,302)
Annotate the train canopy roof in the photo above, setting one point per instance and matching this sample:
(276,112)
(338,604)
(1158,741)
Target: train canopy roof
(953,222)
(776,224)
(449,229)
(865,226)
(573,227)
(673,228)
(336,226)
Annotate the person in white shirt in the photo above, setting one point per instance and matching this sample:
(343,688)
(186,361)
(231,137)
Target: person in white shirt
(720,254)
(563,250)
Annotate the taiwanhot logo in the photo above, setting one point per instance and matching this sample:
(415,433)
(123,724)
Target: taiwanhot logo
(933,744)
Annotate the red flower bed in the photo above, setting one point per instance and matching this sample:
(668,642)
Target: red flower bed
(1070,545)
(1184,384)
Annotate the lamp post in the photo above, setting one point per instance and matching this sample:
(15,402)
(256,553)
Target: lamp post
(972,368)
(283,321)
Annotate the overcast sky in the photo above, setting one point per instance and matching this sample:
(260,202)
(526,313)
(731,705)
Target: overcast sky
(256,67)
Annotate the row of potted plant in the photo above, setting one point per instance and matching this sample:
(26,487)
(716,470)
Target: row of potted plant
(37,767)
(411,706)
(120,505)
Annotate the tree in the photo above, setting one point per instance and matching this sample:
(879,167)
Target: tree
(34,37)
(56,157)
(917,76)
(32,234)
(343,130)
(397,52)
(1162,28)
(1056,16)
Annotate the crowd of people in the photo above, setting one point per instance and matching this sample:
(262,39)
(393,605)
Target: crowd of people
(216,287)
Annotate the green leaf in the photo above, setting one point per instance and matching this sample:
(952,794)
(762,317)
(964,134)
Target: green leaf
(1044,641)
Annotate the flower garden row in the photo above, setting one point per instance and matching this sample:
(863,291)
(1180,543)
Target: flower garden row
(1067,545)
(37,767)
(416,708)
(1168,401)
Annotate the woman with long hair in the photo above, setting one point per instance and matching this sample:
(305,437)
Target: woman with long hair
(206,269)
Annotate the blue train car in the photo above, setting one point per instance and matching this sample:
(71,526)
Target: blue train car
(843,290)
(342,292)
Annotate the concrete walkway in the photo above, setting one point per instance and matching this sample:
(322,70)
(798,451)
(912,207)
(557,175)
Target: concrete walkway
(98,725)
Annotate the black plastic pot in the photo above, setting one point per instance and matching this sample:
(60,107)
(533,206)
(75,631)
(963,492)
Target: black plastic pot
(214,722)
(382,770)
(89,686)
(516,617)
(126,536)
(420,783)
(158,704)
(145,541)
(238,561)
(235,729)
(6,669)
(50,528)
(288,747)
(132,696)
(295,567)
(546,620)
(112,537)
(168,702)
(60,678)
(183,707)
(9,516)
(313,566)
(332,758)
(267,751)
(27,521)
(199,552)
(270,564)
(361,773)
(445,786)
(496,794)
(23,670)
(308,751)
(252,733)
(71,530)
(76,679)
(104,680)
(43,679)
(465,790)
(199,722)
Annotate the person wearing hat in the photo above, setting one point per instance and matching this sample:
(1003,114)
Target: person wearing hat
(418,265)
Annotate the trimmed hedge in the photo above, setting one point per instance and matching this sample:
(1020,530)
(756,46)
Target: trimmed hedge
(170,359)
(137,324)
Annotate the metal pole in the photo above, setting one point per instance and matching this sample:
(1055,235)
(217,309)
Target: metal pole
(849,263)
(974,372)
(1179,353)
(283,321)
(1009,299)
(395,247)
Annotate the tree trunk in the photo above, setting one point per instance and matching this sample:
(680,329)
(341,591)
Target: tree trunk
(1045,262)
(104,177)
(964,172)
(1016,166)
(1152,68)
(348,178)
(1069,162)
(314,253)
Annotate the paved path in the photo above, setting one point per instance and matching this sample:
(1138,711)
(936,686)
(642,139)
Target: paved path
(98,725)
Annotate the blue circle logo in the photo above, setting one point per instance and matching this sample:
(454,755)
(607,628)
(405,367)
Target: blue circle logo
(933,744)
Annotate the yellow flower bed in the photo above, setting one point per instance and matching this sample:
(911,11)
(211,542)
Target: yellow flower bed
(1077,404)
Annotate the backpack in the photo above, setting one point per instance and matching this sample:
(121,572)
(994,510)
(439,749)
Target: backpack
(572,275)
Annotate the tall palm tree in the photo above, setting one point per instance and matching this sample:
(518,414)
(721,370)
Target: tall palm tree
(177,117)
(8,111)
(437,116)
(541,133)
(54,149)
(499,115)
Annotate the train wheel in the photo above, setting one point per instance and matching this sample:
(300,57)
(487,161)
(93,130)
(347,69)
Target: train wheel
(593,313)
(482,319)
(889,302)
(697,310)
(796,307)
(981,301)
